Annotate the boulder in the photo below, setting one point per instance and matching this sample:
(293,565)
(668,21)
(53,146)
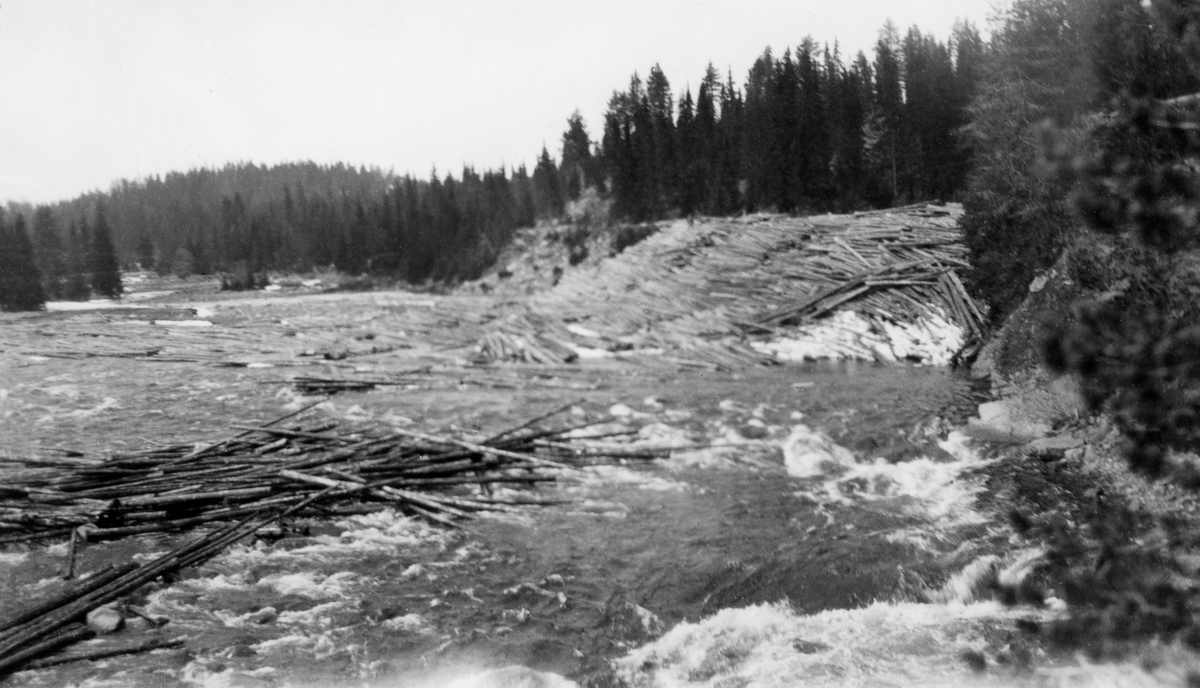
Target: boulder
(105,620)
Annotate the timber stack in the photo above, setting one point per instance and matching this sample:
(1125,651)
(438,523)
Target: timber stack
(700,292)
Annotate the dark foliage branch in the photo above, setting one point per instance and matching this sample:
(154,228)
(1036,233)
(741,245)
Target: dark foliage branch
(1137,351)
(1057,61)
(1134,346)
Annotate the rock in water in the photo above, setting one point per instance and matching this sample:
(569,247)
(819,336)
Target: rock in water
(105,620)
(808,453)
(265,615)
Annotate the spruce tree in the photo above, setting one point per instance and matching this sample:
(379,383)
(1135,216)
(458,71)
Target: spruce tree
(705,146)
(145,251)
(7,260)
(576,157)
(758,139)
(106,270)
(526,215)
(547,192)
(889,102)
(664,166)
(20,280)
(76,287)
(50,253)
(692,180)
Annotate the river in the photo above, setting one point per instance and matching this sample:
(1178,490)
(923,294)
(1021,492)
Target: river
(816,524)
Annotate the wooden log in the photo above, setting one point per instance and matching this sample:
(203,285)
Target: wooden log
(531,422)
(12,660)
(215,495)
(480,448)
(96,580)
(147,646)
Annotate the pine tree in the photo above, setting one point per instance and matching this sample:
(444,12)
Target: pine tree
(664,182)
(576,157)
(7,261)
(20,280)
(106,270)
(617,154)
(145,251)
(50,252)
(526,215)
(707,147)
(787,154)
(76,288)
(889,102)
(726,192)
(692,179)
(548,196)
(814,144)
(759,134)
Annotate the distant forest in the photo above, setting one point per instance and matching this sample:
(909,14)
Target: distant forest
(805,132)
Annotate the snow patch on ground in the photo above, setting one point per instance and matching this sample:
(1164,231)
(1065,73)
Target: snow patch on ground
(847,334)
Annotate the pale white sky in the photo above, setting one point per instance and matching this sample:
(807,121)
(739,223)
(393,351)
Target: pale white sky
(93,91)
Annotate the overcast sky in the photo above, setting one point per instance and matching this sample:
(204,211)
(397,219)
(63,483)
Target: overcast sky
(94,91)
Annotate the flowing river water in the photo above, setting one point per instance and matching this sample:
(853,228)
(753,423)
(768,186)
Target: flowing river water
(814,525)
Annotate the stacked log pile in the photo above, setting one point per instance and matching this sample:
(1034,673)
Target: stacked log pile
(739,270)
(180,487)
(52,625)
(526,339)
(294,334)
(697,289)
(247,482)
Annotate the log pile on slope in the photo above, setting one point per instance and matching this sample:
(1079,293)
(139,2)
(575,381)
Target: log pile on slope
(696,290)
(520,340)
(700,278)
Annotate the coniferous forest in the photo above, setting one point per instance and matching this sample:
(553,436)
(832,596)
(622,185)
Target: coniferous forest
(806,130)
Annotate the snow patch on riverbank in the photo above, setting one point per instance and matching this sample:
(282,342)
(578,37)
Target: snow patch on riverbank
(850,335)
